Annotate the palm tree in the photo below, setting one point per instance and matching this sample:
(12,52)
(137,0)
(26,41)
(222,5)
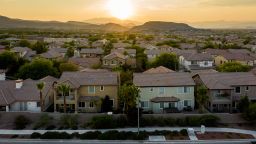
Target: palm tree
(64,89)
(202,97)
(40,87)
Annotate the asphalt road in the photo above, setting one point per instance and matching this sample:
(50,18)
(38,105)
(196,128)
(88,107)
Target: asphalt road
(16,141)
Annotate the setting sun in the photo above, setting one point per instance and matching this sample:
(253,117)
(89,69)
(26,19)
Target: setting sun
(121,9)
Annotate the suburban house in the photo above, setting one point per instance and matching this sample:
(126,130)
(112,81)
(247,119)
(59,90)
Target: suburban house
(85,62)
(129,52)
(160,69)
(87,89)
(51,54)
(196,61)
(91,52)
(242,58)
(152,54)
(117,59)
(226,89)
(165,92)
(24,52)
(23,95)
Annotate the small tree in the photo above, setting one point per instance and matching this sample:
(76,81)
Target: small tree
(128,96)
(202,97)
(68,67)
(21,122)
(106,104)
(167,60)
(64,89)
(40,87)
(70,52)
(233,67)
(40,47)
(243,104)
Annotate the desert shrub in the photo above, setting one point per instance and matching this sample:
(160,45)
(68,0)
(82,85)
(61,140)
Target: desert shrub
(184,132)
(56,135)
(35,135)
(21,122)
(44,120)
(69,121)
(90,135)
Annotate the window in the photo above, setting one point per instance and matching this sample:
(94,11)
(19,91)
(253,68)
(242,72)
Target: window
(91,89)
(247,88)
(161,91)
(187,103)
(186,90)
(151,89)
(206,63)
(38,104)
(101,88)
(112,62)
(161,105)
(91,104)
(81,104)
(182,90)
(144,104)
(237,90)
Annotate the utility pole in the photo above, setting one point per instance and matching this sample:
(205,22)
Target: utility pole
(138,115)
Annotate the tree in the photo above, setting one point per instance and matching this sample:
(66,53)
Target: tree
(40,87)
(141,59)
(233,67)
(251,112)
(7,60)
(128,96)
(40,47)
(202,97)
(106,104)
(68,67)
(167,60)
(107,48)
(243,104)
(70,52)
(64,89)
(24,43)
(37,69)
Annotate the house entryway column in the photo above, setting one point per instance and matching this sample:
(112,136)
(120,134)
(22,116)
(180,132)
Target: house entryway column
(7,108)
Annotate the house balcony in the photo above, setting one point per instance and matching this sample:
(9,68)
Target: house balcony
(68,98)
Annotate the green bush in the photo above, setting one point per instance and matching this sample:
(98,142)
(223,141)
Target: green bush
(69,121)
(56,135)
(35,135)
(121,121)
(109,135)
(184,132)
(50,127)
(102,122)
(44,121)
(21,122)
(209,120)
(193,121)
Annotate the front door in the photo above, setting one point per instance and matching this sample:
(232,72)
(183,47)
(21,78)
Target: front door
(172,105)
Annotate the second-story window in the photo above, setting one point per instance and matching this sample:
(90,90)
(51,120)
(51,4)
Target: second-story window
(161,91)
(91,89)
(237,90)
(151,89)
(247,88)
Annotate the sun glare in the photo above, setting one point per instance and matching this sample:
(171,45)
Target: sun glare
(121,9)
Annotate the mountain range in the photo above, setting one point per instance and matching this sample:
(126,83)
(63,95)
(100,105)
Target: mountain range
(10,23)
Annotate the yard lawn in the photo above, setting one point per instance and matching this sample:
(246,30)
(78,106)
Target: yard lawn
(222,135)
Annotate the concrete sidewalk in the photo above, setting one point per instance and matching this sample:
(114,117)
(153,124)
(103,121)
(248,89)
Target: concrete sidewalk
(149,129)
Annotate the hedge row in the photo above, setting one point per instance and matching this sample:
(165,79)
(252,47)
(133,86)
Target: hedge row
(108,122)
(109,135)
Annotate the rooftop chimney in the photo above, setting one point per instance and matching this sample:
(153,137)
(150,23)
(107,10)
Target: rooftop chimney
(19,84)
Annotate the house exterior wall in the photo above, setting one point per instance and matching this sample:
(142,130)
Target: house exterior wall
(146,95)
(251,93)
(218,60)
(25,106)
(115,62)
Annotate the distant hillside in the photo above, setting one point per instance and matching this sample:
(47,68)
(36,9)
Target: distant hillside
(225,24)
(126,23)
(10,23)
(162,26)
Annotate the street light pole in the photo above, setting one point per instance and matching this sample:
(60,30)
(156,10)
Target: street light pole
(138,115)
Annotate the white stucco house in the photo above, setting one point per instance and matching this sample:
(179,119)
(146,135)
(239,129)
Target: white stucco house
(196,61)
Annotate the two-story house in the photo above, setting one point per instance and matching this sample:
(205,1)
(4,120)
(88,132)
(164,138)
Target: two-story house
(87,89)
(226,89)
(165,92)
(91,52)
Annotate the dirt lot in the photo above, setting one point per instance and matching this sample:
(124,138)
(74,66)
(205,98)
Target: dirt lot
(218,135)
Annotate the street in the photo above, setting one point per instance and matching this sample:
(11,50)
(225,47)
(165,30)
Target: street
(24,141)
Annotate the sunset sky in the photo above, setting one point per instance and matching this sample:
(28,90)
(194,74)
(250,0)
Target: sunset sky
(142,10)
